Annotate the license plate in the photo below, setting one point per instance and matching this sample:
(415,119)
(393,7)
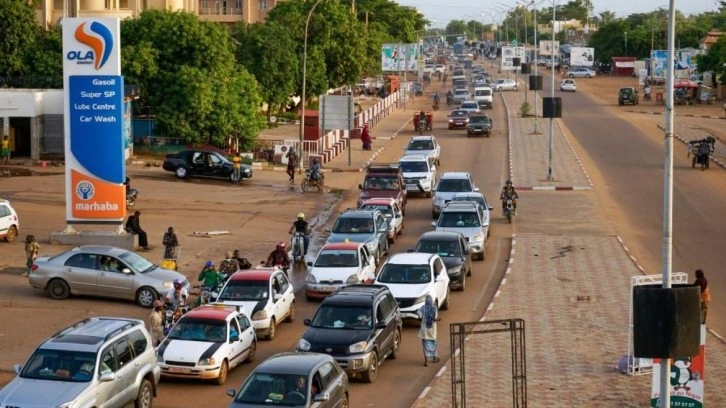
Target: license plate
(411,187)
(180,370)
(330,288)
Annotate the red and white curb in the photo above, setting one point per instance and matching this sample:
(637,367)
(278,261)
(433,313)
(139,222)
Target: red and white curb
(373,158)
(682,139)
(688,115)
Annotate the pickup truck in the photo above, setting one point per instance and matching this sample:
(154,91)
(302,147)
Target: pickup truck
(384,181)
(479,125)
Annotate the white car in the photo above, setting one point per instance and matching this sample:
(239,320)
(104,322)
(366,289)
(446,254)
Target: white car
(390,209)
(266,294)
(470,107)
(412,276)
(479,199)
(424,145)
(505,85)
(337,265)
(9,222)
(581,73)
(419,174)
(450,183)
(466,218)
(207,342)
(568,85)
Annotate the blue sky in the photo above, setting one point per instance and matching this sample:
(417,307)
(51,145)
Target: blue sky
(441,12)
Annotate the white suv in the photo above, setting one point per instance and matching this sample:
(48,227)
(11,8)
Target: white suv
(9,222)
(418,173)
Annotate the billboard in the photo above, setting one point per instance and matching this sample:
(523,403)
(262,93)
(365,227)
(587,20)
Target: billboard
(582,57)
(549,47)
(93,91)
(684,64)
(399,57)
(508,55)
(687,377)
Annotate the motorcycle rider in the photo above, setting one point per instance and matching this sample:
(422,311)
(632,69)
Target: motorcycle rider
(422,119)
(436,98)
(300,225)
(229,265)
(176,296)
(209,276)
(509,192)
(646,93)
(449,98)
(278,257)
(315,170)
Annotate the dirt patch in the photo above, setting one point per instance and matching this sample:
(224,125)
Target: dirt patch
(6,377)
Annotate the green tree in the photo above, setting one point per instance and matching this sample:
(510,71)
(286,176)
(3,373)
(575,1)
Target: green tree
(43,62)
(714,60)
(18,30)
(455,27)
(608,40)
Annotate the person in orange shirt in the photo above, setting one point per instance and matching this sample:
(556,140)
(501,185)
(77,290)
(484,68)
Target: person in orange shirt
(236,168)
(705,293)
(5,150)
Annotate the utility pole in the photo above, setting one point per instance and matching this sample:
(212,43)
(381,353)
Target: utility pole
(552,120)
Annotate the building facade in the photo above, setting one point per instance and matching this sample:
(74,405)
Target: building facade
(49,12)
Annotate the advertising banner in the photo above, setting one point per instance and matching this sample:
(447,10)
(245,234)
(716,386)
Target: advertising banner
(686,379)
(399,57)
(582,57)
(508,55)
(658,64)
(549,48)
(684,64)
(94,121)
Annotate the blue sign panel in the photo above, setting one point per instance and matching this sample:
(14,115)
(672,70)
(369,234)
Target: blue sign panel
(96,125)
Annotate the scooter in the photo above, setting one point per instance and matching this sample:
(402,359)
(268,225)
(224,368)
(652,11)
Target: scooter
(172,315)
(209,294)
(131,196)
(298,247)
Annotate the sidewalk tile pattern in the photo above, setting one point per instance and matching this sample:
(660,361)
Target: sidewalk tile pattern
(571,346)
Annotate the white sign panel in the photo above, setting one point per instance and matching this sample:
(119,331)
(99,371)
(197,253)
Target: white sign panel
(508,55)
(399,57)
(582,57)
(337,112)
(549,47)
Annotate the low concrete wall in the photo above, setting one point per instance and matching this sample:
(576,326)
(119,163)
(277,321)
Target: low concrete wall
(125,241)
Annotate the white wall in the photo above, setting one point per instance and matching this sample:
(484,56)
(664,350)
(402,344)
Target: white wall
(30,102)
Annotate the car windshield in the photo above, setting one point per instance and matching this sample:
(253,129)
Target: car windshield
(421,145)
(245,290)
(455,219)
(207,330)
(478,119)
(274,390)
(136,262)
(60,365)
(385,209)
(442,248)
(482,92)
(414,167)
(470,105)
(459,113)
(349,225)
(339,259)
(380,183)
(454,186)
(332,316)
(462,92)
(395,273)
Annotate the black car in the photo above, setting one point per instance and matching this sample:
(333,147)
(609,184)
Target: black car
(451,247)
(203,163)
(628,95)
(359,325)
(479,125)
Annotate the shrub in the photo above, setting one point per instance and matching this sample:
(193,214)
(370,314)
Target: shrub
(524,109)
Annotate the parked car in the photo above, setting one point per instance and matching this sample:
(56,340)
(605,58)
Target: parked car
(338,265)
(105,271)
(266,293)
(479,125)
(470,107)
(449,184)
(203,163)
(9,221)
(359,326)
(365,226)
(458,119)
(412,276)
(467,219)
(505,85)
(419,173)
(99,362)
(568,85)
(451,247)
(294,380)
(384,181)
(207,342)
(424,145)
(628,95)
(581,73)
(391,211)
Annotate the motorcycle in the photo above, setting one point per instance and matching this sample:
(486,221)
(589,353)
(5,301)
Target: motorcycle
(435,105)
(210,294)
(131,193)
(509,209)
(172,315)
(298,247)
(310,182)
(449,100)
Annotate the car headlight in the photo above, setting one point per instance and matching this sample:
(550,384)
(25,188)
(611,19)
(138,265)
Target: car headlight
(451,120)
(311,278)
(438,200)
(303,345)
(260,315)
(476,237)
(371,245)
(168,284)
(359,347)
(206,361)
(421,299)
(454,270)
(352,279)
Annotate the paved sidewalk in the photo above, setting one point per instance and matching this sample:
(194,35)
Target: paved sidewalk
(529,152)
(572,343)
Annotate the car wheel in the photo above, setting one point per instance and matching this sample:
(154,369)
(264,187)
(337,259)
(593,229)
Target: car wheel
(12,234)
(396,347)
(445,305)
(223,370)
(273,329)
(371,373)
(468,273)
(378,256)
(291,314)
(588,76)
(463,283)
(181,172)
(344,402)
(429,194)
(58,289)
(572,76)
(145,395)
(252,353)
(146,296)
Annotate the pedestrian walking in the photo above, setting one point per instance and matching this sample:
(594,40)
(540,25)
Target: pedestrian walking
(365,137)
(292,160)
(133,226)
(236,168)
(156,323)
(31,253)
(5,150)
(429,315)
(705,293)
(170,242)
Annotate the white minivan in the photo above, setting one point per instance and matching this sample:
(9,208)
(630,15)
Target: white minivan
(483,96)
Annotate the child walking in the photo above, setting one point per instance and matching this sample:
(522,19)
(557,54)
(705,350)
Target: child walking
(31,252)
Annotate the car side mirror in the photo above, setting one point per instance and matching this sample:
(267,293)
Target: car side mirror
(107,377)
(277,297)
(126,271)
(410,250)
(306,322)
(360,186)
(234,338)
(327,230)
(381,325)
(433,224)
(17,368)
(491,208)
(476,189)
(231,392)
(321,397)
(310,264)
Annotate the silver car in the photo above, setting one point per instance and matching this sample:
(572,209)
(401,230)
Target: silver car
(479,199)
(449,184)
(581,73)
(106,271)
(465,218)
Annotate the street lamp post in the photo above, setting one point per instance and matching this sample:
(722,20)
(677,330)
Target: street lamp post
(626,43)
(304,81)
(552,121)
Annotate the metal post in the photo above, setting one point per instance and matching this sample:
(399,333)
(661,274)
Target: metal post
(552,121)
(665,364)
(536,65)
(304,81)
(626,43)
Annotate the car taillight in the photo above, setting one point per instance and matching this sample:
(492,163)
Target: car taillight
(34,267)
